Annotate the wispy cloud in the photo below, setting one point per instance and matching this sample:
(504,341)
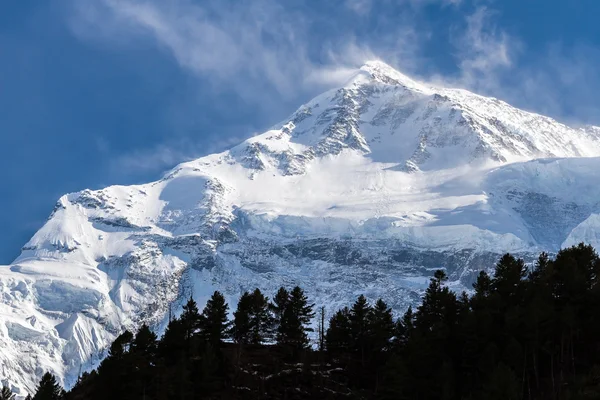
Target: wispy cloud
(250,44)
(246,43)
(259,50)
(267,52)
(364,7)
(558,80)
(163,156)
(483,49)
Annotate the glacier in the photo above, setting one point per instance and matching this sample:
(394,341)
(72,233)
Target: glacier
(367,188)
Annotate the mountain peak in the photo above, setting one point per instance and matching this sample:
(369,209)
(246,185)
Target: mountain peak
(384,73)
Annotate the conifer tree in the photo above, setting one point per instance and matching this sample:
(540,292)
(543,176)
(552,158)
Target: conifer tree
(240,330)
(508,276)
(438,307)
(144,341)
(295,321)
(142,354)
(6,393)
(214,321)
(28,397)
(253,320)
(359,326)
(190,319)
(299,303)
(172,344)
(403,329)
(48,388)
(483,284)
(261,319)
(381,326)
(338,336)
(278,307)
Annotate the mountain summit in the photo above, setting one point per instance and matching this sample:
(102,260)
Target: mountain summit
(367,188)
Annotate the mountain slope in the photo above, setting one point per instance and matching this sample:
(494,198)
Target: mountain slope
(365,189)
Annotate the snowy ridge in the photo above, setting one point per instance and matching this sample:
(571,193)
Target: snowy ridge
(365,189)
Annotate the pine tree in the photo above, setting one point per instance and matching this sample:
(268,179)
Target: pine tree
(338,337)
(172,344)
(439,306)
(508,276)
(240,330)
(144,341)
(190,318)
(483,285)
(261,319)
(214,321)
(435,320)
(6,393)
(142,358)
(381,326)
(278,307)
(359,326)
(28,397)
(253,320)
(48,388)
(295,321)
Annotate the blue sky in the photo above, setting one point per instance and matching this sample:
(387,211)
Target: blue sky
(103,92)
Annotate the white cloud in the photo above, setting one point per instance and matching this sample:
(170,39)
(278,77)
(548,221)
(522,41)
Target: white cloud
(559,81)
(264,53)
(484,51)
(250,44)
(361,7)
(246,44)
(163,156)
(364,7)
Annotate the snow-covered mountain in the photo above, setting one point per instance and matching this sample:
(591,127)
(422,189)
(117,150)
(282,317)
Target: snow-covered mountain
(365,189)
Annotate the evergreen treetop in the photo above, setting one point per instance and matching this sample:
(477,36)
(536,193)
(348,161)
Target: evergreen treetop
(48,388)
(214,319)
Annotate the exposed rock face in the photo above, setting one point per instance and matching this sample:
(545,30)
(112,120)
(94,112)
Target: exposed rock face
(366,189)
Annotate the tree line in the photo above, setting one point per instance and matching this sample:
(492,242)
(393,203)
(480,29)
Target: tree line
(523,332)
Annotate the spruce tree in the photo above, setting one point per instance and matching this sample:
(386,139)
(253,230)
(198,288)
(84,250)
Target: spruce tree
(279,305)
(142,353)
(240,329)
(295,321)
(214,321)
(508,276)
(381,326)
(338,337)
(144,341)
(172,344)
(190,318)
(483,285)
(48,388)
(253,320)
(359,326)
(6,393)
(439,304)
(261,319)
